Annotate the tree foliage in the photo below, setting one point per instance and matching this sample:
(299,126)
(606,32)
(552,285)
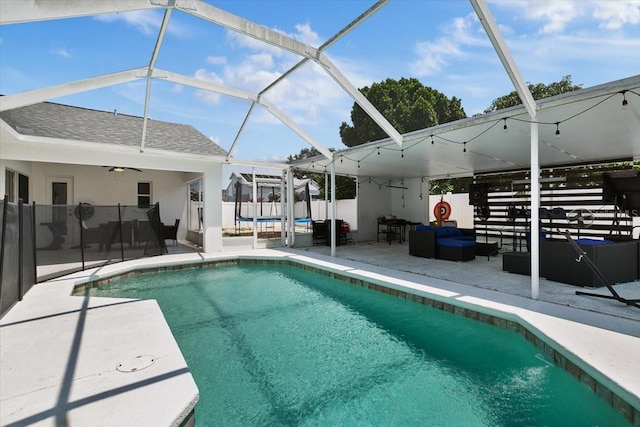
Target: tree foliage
(453,185)
(345,186)
(406,103)
(538,91)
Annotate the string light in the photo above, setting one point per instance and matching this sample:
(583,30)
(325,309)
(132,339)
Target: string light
(505,127)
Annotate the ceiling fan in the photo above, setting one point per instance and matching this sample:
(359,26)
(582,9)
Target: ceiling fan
(120,169)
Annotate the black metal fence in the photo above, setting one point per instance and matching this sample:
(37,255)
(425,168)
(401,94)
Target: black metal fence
(17,253)
(83,235)
(40,242)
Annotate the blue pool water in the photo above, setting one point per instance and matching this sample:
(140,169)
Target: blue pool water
(281,346)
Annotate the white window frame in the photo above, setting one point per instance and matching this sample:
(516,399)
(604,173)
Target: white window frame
(149,195)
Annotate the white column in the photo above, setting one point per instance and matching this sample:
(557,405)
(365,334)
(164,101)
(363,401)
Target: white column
(333,208)
(255,209)
(535,212)
(326,196)
(291,204)
(426,190)
(283,214)
(212,227)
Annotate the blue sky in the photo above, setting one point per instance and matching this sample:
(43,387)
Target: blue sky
(441,43)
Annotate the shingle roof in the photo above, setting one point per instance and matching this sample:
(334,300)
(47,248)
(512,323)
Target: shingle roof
(53,120)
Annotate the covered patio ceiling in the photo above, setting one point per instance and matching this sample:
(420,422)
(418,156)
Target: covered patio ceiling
(594,127)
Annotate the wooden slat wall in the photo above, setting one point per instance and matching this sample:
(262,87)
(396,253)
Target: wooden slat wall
(582,190)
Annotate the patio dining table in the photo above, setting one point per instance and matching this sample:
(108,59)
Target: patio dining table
(393,228)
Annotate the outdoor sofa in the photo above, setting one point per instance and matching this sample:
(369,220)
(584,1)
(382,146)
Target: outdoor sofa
(617,261)
(450,243)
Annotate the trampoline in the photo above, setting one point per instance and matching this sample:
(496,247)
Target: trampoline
(267,222)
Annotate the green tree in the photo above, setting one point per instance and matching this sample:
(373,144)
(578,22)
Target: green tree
(454,185)
(538,91)
(345,186)
(305,153)
(406,103)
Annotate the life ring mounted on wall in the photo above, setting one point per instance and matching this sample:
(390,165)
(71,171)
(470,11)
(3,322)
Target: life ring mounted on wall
(442,210)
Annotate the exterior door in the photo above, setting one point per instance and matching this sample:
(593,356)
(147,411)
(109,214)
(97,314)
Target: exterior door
(59,194)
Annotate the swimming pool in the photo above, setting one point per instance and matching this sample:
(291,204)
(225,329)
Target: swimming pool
(278,345)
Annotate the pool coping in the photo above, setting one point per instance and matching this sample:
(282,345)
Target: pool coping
(590,352)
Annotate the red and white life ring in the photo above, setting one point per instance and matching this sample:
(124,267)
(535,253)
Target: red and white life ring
(442,211)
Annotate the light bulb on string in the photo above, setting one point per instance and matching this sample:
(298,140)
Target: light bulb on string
(464,144)
(505,126)
(402,154)
(625,103)
(431,139)
(557,129)
(378,151)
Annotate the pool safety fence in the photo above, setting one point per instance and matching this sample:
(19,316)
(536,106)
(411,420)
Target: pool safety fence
(75,237)
(85,235)
(17,252)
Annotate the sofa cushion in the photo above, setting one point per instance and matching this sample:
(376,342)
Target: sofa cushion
(452,231)
(442,232)
(593,242)
(424,228)
(456,243)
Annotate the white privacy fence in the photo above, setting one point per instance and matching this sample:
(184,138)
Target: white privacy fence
(320,210)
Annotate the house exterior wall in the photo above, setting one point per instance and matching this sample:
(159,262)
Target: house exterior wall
(97,186)
(212,185)
(407,204)
(18,166)
(373,202)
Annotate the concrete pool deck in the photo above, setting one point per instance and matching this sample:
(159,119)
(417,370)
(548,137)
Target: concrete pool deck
(62,357)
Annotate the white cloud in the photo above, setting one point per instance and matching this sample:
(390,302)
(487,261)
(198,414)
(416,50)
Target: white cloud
(434,56)
(615,14)
(554,15)
(145,21)
(216,60)
(306,35)
(61,52)
(557,14)
(302,96)
(205,95)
